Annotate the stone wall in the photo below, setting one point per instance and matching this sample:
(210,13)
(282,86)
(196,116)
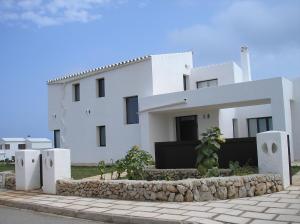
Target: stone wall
(182,190)
(177,174)
(7,180)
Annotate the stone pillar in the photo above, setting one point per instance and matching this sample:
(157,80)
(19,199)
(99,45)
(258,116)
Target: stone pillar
(272,153)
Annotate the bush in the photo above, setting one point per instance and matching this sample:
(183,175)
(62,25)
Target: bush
(207,157)
(237,170)
(120,167)
(135,162)
(101,168)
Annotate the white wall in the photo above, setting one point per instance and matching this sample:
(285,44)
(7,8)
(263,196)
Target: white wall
(80,129)
(168,71)
(10,152)
(226,73)
(296,117)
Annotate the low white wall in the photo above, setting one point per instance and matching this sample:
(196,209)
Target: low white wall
(295,106)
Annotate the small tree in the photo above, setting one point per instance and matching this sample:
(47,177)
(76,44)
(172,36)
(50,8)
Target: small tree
(135,161)
(120,167)
(101,168)
(207,157)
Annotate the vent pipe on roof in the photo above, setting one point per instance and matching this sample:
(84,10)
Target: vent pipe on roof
(245,63)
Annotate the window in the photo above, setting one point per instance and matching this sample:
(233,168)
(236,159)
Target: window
(100,87)
(257,125)
(132,107)
(185,82)
(76,92)
(7,146)
(0,146)
(56,138)
(235,127)
(101,136)
(207,83)
(21,146)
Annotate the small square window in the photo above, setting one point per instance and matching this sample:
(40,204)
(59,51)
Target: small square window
(7,146)
(76,92)
(101,87)
(101,136)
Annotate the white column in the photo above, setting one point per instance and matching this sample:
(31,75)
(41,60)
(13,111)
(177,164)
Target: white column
(272,153)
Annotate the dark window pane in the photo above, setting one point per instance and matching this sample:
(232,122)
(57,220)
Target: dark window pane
(76,92)
(102,136)
(262,125)
(56,138)
(207,83)
(7,146)
(132,108)
(270,124)
(21,146)
(252,127)
(184,82)
(101,88)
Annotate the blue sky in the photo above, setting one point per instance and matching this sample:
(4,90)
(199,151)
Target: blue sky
(42,39)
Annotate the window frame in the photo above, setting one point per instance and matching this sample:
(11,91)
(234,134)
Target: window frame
(206,81)
(185,82)
(267,119)
(100,141)
(76,92)
(100,94)
(136,121)
(7,146)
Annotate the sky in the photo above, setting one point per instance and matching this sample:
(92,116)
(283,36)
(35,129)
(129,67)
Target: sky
(43,39)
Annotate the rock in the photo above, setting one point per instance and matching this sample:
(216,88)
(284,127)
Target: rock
(250,192)
(206,196)
(261,189)
(179,198)
(171,188)
(279,187)
(204,188)
(213,189)
(171,197)
(196,194)
(231,192)
(242,192)
(189,196)
(161,196)
(182,189)
(222,192)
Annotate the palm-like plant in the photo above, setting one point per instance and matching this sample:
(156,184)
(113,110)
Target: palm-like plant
(207,157)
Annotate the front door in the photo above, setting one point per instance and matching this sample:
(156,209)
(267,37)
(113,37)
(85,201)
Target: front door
(187,128)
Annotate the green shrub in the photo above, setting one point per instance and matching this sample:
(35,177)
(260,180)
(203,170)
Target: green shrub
(135,162)
(120,167)
(101,168)
(207,157)
(238,170)
(213,172)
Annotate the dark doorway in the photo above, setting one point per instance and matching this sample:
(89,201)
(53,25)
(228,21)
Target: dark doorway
(187,128)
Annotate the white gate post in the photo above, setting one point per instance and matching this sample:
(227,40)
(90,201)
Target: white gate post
(272,153)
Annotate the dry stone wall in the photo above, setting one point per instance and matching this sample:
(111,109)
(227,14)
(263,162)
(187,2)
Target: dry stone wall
(174,191)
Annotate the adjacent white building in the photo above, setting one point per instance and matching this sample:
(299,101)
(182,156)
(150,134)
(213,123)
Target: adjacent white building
(8,146)
(101,113)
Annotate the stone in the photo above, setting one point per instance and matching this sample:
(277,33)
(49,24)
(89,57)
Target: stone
(179,198)
(172,188)
(242,192)
(189,196)
(222,192)
(204,188)
(250,192)
(260,189)
(205,196)
(171,197)
(182,189)
(231,192)
(196,194)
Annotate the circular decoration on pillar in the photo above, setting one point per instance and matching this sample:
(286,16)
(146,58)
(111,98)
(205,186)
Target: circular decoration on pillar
(265,148)
(274,148)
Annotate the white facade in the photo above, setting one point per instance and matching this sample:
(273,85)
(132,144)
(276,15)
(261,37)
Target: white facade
(158,81)
(9,146)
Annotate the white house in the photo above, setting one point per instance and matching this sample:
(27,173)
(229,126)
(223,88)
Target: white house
(8,146)
(99,114)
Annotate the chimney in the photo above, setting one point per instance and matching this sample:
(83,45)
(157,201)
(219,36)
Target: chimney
(245,63)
